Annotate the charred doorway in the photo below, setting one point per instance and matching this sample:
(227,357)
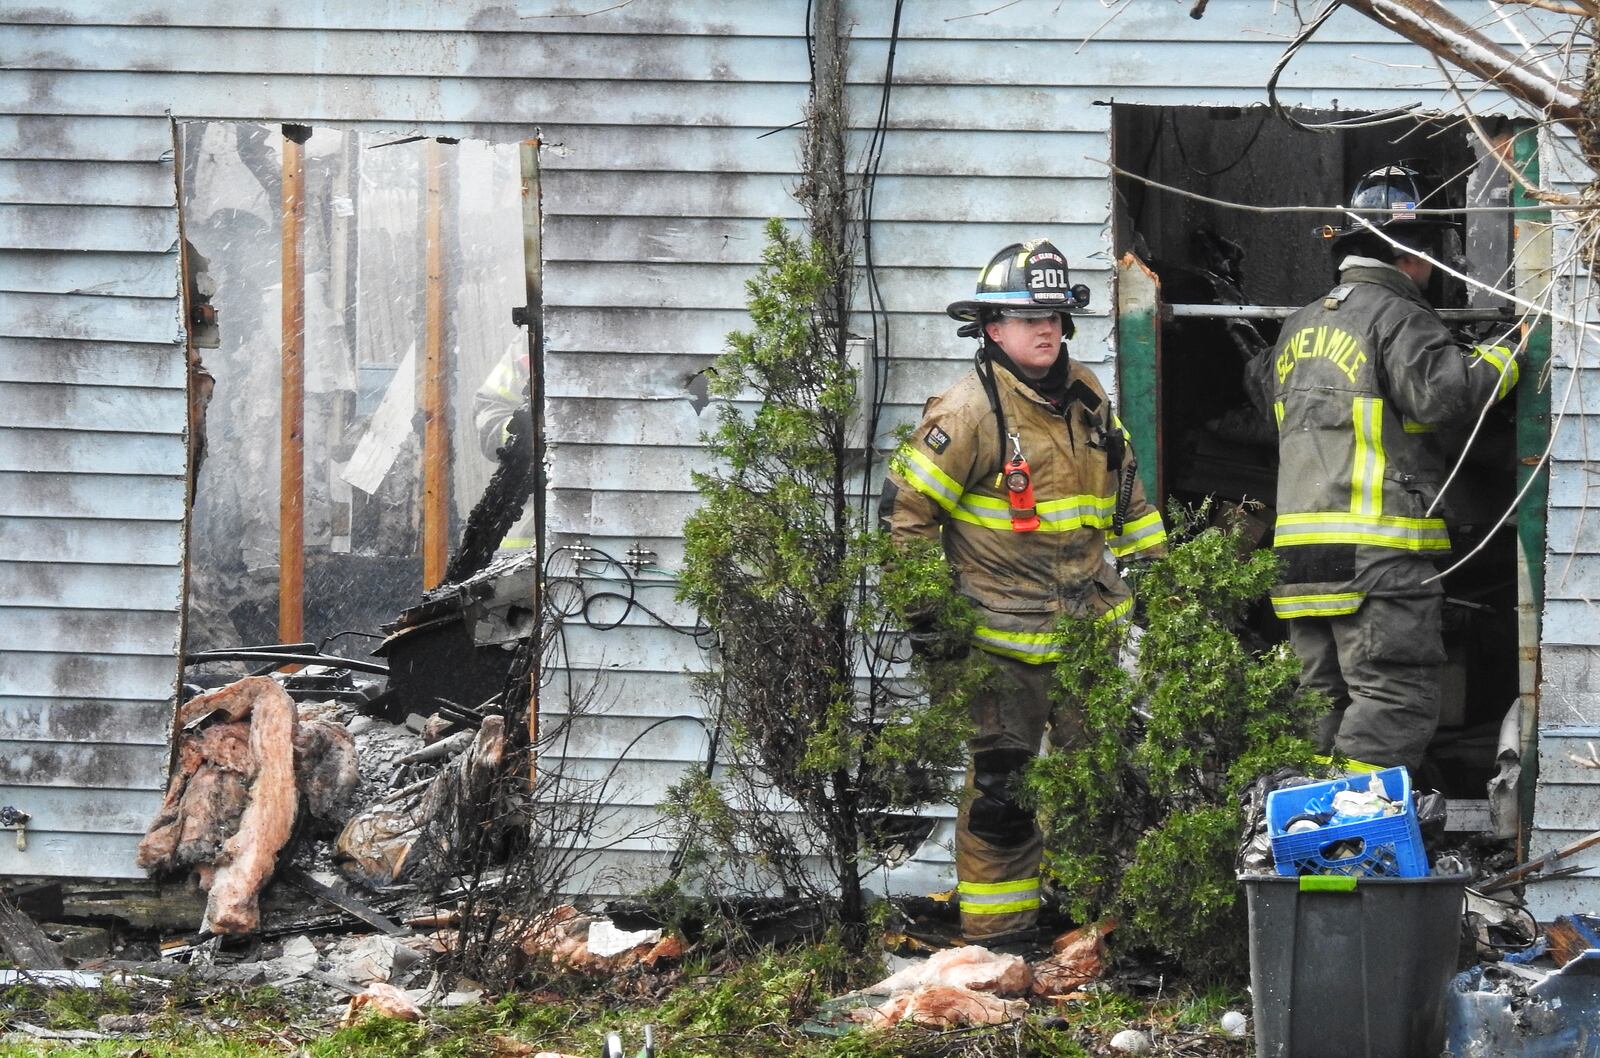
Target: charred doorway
(1228,276)
(353,295)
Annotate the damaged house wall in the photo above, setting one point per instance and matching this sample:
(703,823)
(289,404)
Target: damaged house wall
(667,139)
(1568,791)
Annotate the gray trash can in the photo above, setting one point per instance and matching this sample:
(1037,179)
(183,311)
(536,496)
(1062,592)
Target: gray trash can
(1352,968)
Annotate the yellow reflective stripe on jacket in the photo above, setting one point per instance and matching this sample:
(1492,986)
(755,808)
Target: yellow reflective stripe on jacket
(1055,516)
(1288,607)
(1037,648)
(1277,412)
(1405,534)
(1141,534)
(1366,477)
(1411,426)
(999,898)
(1504,361)
(924,475)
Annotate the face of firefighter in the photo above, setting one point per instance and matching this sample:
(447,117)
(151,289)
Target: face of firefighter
(1419,270)
(1032,345)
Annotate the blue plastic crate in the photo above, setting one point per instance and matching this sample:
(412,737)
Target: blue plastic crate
(1386,846)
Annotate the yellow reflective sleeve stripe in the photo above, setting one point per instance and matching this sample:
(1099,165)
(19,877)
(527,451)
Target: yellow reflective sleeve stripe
(1505,363)
(1366,476)
(1288,607)
(1277,411)
(924,475)
(1411,426)
(1140,534)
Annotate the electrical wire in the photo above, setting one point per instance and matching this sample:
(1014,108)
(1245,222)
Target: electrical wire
(877,308)
(875,304)
(1382,117)
(1183,153)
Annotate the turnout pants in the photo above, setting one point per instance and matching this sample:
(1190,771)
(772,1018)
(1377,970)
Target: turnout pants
(1380,668)
(998,844)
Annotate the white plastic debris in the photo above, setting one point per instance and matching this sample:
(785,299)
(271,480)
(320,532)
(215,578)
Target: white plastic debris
(66,978)
(606,940)
(1132,1041)
(1234,1023)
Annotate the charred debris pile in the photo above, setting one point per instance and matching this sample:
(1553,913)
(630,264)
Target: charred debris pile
(359,822)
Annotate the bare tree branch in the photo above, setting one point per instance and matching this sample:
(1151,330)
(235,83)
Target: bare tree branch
(1576,8)
(1435,27)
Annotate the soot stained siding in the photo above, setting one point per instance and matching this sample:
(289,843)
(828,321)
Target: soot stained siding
(92,464)
(666,145)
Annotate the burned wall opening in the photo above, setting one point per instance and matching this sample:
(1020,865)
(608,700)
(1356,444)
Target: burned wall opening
(1236,254)
(412,253)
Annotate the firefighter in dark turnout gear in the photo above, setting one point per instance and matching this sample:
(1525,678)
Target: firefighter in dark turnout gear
(1360,384)
(1017,470)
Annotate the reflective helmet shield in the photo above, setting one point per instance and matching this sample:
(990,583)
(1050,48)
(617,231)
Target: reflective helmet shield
(1044,276)
(1026,274)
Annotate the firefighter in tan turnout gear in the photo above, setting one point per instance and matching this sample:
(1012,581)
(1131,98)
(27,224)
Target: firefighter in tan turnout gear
(1018,470)
(1360,383)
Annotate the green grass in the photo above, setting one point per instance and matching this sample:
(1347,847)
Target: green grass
(756,1007)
